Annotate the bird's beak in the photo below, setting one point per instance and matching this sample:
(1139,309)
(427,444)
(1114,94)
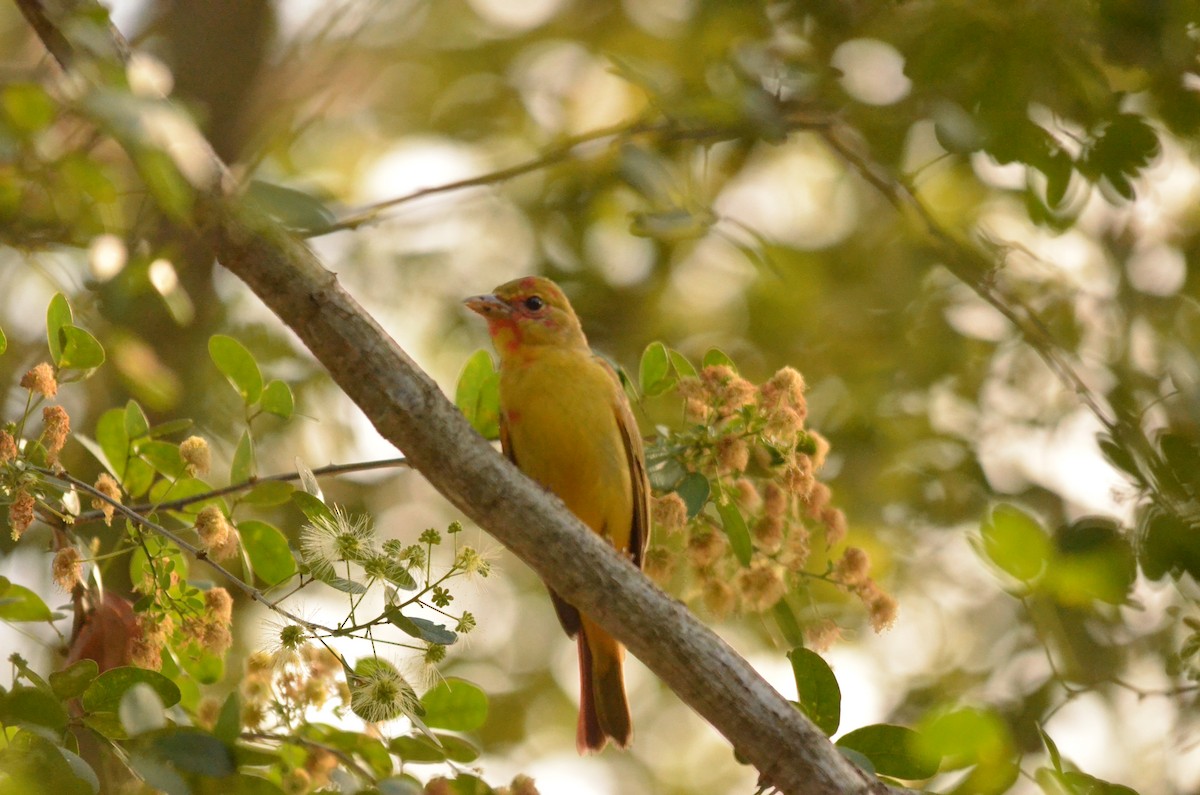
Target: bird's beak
(488,305)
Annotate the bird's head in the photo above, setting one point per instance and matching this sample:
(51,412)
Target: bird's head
(527,312)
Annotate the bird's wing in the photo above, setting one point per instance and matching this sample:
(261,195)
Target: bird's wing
(568,616)
(635,457)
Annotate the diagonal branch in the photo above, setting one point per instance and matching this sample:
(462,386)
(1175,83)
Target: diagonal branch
(409,410)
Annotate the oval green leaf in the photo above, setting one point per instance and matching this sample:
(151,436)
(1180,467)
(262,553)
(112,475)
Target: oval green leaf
(694,489)
(104,694)
(237,364)
(70,682)
(736,531)
(80,350)
(654,370)
(243,469)
(58,315)
(819,696)
(277,399)
(455,704)
(893,750)
(477,394)
(268,550)
(1016,542)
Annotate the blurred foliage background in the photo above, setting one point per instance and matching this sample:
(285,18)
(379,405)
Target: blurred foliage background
(868,192)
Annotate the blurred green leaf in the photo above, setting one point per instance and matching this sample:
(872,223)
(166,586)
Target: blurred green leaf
(683,368)
(818,694)
(104,694)
(3,342)
(170,190)
(243,468)
(312,507)
(181,489)
(113,441)
(18,603)
(736,531)
(277,399)
(136,424)
(892,750)
(80,350)
(194,751)
(164,457)
(694,489)
(1016,542)
(654,371)
(229,721)
(718,358)
(418,750)
(292,208)
(237,364)
(70,682)
(139,476)
(477,394)
(32,764)
(268,550)
(1093,560)
(32,706)
(58,316)
(27,107)
(141,710)
(269,493)
(455,704)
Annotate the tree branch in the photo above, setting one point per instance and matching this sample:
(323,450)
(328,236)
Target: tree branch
(409,410)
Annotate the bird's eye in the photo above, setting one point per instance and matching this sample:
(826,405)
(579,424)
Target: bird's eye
(533,303)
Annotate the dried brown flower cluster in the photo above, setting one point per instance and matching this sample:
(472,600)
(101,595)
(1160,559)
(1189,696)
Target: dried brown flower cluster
(752,444)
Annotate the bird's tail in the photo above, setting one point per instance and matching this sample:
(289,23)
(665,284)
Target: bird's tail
(603,706)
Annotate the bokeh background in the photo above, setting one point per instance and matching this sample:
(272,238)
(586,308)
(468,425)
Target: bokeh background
(708,174)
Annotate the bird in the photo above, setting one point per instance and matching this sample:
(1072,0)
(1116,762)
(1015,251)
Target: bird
(566,423)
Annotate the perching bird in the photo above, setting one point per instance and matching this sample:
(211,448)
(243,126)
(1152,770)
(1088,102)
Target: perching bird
(565,421)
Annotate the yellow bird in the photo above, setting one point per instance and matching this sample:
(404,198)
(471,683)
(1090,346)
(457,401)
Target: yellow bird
(565,421)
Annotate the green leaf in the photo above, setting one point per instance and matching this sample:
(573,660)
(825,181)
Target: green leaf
(736,531)
(819,696)
(27,107)
(113,441)
(420,627)
(32,764)
(194,751)
(243,469)
(3,342)
(58,315)
(32,706)
(964,737)
(269,493)
(1051,748)
(312,507)
(164,457)
(139,476)
(1093,560)
(136,424)
(104,694)
(892,750)
(170,190)
(477,394)
(418,750)
(654,371)
(1015,542)
(277,399)
(229,721)
(204,667)
(294,209)
(715,357)
(694,489)
(268,550)
(170,428)
(237,364)
(455,704)
(80,350)
(683,368)
(342,584)
(70,682)
(18,603)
